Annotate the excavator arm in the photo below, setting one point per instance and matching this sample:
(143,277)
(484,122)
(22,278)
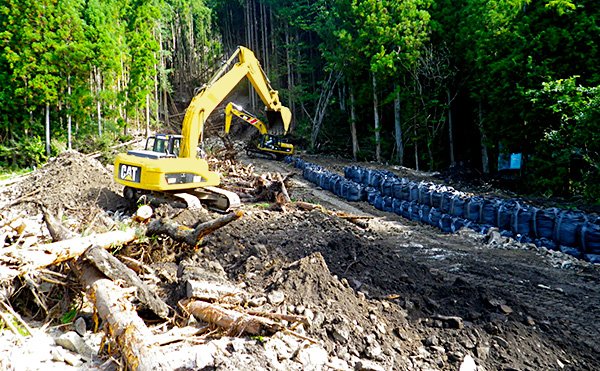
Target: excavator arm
(233,109)
(204,103)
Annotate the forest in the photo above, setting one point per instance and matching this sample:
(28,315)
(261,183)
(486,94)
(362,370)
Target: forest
(419,83)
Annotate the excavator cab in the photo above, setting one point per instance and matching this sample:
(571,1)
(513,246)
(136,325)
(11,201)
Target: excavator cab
(167,144)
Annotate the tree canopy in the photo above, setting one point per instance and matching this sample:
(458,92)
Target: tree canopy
(420,83)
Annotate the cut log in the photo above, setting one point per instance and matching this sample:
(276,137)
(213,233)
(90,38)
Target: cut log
(361,221)
(121,323)
(115,270)
(235,322)
(188,235)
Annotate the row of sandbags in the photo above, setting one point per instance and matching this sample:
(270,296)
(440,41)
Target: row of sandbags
(571,231)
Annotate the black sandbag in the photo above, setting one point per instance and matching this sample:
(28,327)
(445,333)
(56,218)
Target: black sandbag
(435,215)
(378,202)
(405,209)
(345,184)
(397,188)
(323,179)
(388,204)
(543,222)
(546,243)
(592,258)
(573,251)
(521,220)
(355,192)
(567,227)
(489,211)
(424,213)
(414,211)
(590,236)
(505,213)
(406,190)
(473,208)
(436,197)
(335,184)
(446,223)
(375,179)
(386,186)
(372,193)
(457,206)
(414,191)
(457,223)
(425,193)
(397,206)
(446,201)
(366,176)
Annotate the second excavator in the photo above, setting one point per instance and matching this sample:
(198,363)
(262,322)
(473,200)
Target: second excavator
(171,165)
(270,146)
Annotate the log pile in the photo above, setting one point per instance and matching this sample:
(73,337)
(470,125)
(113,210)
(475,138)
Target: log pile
(118,293)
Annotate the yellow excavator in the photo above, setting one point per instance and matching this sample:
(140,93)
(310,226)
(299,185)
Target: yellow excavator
(270,146)
(170,164)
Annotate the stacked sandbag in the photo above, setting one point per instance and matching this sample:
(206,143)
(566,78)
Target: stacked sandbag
(570,231)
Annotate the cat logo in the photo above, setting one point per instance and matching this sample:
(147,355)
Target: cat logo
(130,173)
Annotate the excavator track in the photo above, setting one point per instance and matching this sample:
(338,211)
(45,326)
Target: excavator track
(257,153)
(212,197)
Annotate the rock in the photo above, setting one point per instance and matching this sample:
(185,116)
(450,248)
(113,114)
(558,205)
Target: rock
(312,357)
(58,354)
(365,365)
(506,309)
(276,297)
(73,359)
(341,334)
(450,321)
(468,364)
(68,340)
(529,321)
(482,352)
(257,302)
(75,343)
(431,340)
(79,326)
(338,364)
(374,352)
(500,341)
(280,348)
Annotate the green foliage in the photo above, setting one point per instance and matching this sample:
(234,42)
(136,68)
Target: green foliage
(22,153)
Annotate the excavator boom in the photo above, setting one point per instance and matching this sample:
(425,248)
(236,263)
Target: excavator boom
(204,103)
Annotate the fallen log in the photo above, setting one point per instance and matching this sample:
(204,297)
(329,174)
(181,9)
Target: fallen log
(25,261)
(235,322)
(115,270)
(355,219)
(121,323)
(188,235)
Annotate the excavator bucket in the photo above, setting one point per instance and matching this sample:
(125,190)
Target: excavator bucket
(279,121)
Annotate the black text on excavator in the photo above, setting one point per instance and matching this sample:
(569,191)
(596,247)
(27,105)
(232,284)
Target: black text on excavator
(270,146)
(170,164)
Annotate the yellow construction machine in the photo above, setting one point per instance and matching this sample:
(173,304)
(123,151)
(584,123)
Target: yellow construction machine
(171,165)
(270,146)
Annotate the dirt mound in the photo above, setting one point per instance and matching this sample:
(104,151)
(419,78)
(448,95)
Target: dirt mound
(71,181)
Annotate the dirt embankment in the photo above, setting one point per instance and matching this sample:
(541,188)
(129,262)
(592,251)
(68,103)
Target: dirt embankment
(397,295)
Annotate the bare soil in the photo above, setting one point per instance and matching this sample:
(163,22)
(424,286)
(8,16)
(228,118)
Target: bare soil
(401,294)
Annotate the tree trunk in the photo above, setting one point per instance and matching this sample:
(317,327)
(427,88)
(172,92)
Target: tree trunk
(355,148)
(131,335)
(450,128)
(98,104)
(69,123)
(322,104)
(485,166)
(147,115)
(376,121)
(48,148)
(398,127)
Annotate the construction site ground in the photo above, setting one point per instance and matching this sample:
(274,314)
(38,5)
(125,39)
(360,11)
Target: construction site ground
(398,294)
